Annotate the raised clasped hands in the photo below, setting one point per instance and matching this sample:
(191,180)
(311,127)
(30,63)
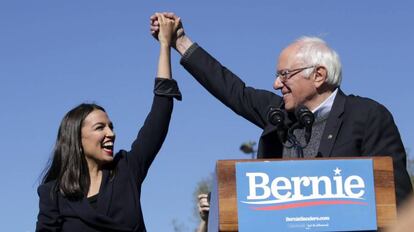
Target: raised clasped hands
(166,27)
(163,28)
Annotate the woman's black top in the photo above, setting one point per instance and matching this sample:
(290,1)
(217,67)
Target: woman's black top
(93,201)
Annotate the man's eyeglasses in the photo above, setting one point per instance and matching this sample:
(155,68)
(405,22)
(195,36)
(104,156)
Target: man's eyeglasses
(286,74)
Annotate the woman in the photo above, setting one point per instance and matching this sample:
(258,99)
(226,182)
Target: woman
(86,187)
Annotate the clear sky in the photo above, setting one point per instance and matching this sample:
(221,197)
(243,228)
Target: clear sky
(57,54)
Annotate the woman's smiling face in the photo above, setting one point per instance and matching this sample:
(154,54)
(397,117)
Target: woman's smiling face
(97,138)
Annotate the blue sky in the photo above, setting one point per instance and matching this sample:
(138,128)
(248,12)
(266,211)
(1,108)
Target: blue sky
(57,54)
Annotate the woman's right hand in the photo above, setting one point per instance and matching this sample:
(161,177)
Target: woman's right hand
(167,27)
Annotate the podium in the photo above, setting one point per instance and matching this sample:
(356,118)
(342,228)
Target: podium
(223,215)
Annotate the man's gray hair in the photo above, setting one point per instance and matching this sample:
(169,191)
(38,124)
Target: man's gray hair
(315,51)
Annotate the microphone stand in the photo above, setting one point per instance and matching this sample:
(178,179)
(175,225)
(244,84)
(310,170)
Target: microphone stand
(294,141)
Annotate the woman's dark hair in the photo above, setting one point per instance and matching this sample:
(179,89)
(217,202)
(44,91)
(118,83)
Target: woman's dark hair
(68,165)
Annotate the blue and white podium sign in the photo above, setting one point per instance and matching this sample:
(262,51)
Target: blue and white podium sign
(306,195)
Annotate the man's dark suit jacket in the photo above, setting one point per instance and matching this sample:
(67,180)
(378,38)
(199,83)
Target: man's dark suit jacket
(118,204)
(356,126)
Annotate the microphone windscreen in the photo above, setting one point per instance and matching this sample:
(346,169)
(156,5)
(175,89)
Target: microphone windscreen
(304,116)
(276,116)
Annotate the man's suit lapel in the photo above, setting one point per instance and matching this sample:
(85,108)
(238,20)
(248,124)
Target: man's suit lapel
(333,125)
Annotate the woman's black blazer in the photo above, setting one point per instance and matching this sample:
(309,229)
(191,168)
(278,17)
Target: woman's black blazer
(118,204)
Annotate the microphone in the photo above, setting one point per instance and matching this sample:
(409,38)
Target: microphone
(276,117)
(305,118)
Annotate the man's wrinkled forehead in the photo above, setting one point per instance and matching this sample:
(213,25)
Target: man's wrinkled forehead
(287,58)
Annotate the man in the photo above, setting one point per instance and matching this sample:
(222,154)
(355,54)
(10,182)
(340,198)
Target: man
(308,74)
